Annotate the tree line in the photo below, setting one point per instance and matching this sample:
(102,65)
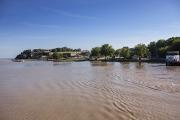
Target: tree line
(109,52)
(155,49)
(38,53)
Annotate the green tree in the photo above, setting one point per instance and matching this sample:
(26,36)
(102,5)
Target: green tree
(57,56)
(125,52)
(20,56)
(117,52)
(107,50)
(162,51)
(132,52)
(27,53)
(161,43)
(170,40)
(38,50)
(141,51)
(153,49)
(175,45)
(95,52)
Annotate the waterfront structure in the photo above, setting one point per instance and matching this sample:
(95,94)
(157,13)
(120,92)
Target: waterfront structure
(172,58)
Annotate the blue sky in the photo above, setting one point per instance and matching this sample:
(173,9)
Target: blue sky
(28,24)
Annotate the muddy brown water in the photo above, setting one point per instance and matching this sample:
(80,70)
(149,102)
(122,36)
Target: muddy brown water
(35,90)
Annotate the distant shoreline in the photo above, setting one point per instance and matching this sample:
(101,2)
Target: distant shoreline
(102,60)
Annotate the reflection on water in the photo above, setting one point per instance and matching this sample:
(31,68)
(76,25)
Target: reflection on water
(139,65)
(61,63)
(99,63)
(36,90)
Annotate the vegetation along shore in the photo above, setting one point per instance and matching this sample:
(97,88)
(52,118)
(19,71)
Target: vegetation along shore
(153,52)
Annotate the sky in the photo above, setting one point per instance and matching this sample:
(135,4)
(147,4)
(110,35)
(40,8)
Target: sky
(29,24)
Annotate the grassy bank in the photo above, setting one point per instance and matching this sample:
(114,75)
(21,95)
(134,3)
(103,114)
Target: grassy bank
(71,60)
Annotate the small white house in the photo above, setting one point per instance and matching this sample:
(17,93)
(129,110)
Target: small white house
(172,57)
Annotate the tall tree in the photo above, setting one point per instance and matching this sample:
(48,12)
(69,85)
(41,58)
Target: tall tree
(161,43)
(141,50)
(107,50)
(95,52)
(176,45)
(117,52)
(153,49)
(162,52)
(125,52)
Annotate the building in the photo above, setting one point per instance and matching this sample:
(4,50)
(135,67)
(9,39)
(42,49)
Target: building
(172,58)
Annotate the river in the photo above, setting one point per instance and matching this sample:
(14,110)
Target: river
(37,90)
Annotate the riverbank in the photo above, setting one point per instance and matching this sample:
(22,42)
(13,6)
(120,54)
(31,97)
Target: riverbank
(159,60)
(102,60)
(53,60)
